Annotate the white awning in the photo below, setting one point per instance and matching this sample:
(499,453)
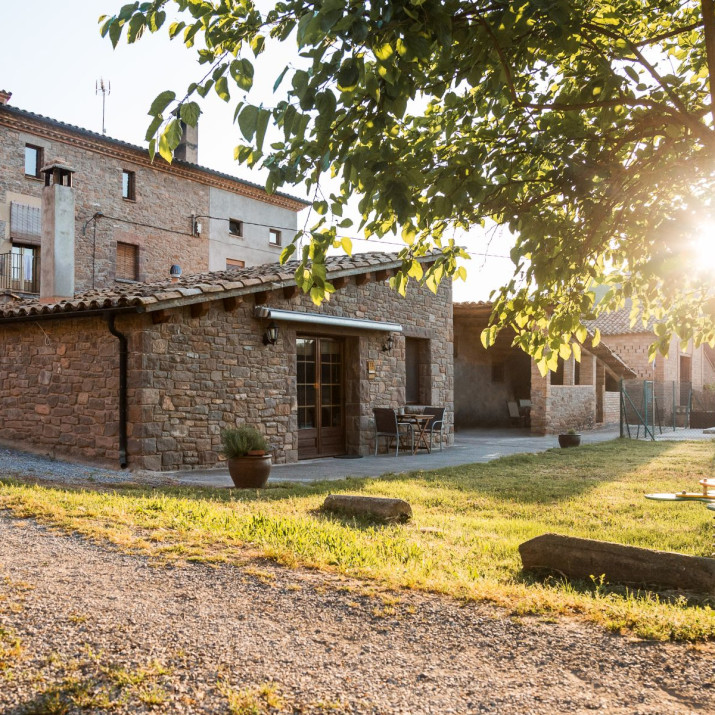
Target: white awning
(264,312)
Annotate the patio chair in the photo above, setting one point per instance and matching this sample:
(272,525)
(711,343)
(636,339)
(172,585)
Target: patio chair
(435,424)
(517,419)
(386,425)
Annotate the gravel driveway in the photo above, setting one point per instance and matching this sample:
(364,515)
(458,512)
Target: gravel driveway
(82,625)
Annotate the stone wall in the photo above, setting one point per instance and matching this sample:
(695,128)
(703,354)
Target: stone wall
(570,407)
(201,375)
(611,408)
(59,382)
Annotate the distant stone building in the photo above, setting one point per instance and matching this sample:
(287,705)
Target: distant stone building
(578,395)
(133,218)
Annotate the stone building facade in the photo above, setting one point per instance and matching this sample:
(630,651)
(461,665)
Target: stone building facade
(197,363)
(580,395)
(157,214)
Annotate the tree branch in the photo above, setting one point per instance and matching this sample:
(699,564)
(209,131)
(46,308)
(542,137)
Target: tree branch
(708,9)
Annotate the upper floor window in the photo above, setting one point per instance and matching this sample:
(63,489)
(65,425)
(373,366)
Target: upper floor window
(129,185)
(235,227)
(233,264)
(33,160)
(274,237)
(127,262)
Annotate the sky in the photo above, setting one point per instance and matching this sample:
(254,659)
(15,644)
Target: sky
(52,57)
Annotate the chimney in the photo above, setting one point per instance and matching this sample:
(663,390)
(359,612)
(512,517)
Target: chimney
(5,96)
(57,248)
(188,149)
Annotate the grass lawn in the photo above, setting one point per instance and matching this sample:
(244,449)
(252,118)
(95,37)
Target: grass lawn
(468,522)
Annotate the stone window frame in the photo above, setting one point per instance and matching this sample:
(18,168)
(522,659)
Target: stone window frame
(235,228)
(275,237)
(129,187)
(39,155)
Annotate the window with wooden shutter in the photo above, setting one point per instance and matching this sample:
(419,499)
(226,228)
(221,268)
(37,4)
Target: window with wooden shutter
(127,262)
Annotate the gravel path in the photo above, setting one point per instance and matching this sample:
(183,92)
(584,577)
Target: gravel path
(82,625)
(27,466)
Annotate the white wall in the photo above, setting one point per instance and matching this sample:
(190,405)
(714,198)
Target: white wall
(257,217)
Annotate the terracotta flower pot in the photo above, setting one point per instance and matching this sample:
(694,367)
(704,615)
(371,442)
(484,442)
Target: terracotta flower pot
(569,440)
(250,472)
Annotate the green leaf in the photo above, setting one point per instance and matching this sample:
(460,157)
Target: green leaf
(261,125)
(115,32)
(247,121)
(221,88)
(347,245)
(280,79)
(161,102)
(156,122)
(348,75)
(190,113)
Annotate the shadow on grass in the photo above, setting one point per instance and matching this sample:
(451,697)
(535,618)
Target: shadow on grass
(598,588)
(544,478)
(549,477)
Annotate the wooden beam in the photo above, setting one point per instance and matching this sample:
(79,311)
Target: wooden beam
(160,316)
(199,309)
(339,282)
(290,292)
(231,303)
(362,278)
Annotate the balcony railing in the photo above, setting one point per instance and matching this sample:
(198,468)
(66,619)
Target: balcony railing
(20,272)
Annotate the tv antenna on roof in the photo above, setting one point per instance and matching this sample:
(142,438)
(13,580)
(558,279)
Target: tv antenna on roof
(105,89)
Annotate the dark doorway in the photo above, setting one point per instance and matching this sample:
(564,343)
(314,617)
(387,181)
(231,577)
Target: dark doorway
(321,397)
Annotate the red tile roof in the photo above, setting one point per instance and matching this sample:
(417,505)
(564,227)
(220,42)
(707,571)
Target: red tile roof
(146,297)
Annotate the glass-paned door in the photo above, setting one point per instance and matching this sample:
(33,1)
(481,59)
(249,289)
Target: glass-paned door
(321,420)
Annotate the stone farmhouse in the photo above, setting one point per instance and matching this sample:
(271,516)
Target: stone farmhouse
(578,395)
(107,359)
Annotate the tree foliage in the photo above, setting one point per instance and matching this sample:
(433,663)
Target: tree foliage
(585,127)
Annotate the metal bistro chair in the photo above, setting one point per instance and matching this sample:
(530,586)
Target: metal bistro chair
(386,425)
(435,424)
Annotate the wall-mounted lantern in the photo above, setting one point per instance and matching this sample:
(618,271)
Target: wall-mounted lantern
(388,345)
(270,337)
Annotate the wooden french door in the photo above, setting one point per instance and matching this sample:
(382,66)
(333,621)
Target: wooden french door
(321,402)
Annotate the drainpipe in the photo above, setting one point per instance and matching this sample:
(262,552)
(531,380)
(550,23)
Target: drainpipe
(123,354)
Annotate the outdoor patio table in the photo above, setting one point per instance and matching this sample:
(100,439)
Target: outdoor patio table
(421,423)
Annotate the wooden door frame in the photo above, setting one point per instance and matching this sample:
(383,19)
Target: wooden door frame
(341,341)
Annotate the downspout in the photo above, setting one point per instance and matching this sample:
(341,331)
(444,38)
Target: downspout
(123,355)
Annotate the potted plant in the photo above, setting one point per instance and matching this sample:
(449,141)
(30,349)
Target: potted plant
(572,438)
(246,452)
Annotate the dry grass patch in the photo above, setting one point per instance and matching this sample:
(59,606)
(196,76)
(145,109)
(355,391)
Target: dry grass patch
(468,522)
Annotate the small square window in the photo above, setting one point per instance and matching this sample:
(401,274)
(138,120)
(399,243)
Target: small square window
(129,185)
(497,372)
(127,262)
(274,237)
(233,264)
(33,160)
(235,227)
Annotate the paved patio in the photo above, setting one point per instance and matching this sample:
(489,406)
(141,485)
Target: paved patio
(478,445)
